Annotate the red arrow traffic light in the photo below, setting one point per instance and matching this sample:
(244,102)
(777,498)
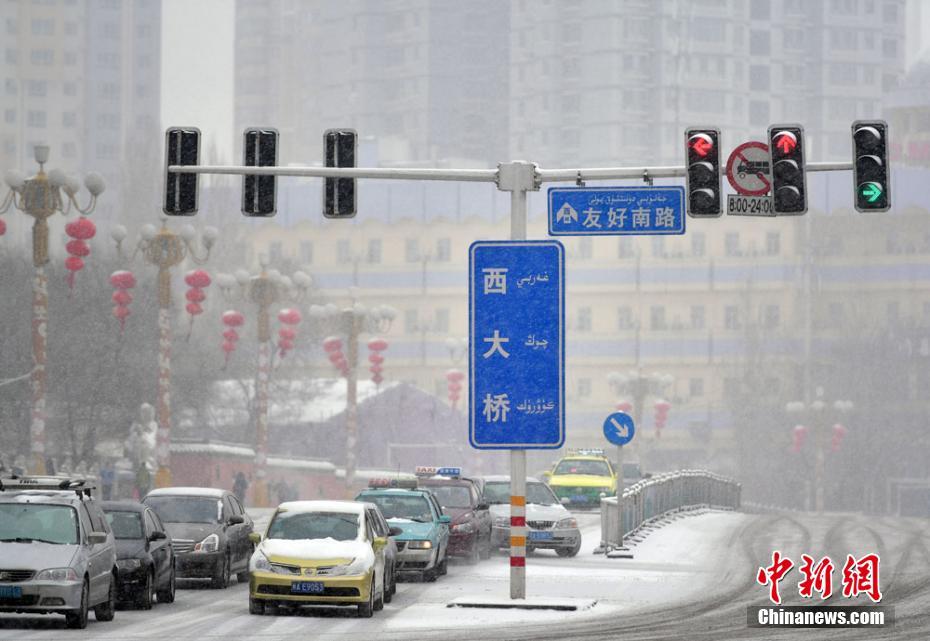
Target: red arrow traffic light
(786,141)
(701,144)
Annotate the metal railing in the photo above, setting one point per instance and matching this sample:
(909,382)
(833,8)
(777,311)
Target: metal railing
(653,498)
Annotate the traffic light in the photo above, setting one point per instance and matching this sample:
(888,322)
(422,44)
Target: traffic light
(259,149)
(786,152)
(339,193)
(870,165)
(703,154)
(182,147)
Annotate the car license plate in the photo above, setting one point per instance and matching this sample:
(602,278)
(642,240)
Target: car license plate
(579,498)
(540,536)
(307,587)
(10,592)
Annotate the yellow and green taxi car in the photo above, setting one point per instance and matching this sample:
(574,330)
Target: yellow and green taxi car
(319,553)
(582,478)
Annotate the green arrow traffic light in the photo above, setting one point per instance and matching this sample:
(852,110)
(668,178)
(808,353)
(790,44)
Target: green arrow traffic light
(872,191)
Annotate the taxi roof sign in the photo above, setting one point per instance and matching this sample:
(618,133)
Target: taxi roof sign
(587,451)
(429,470)
(402,484)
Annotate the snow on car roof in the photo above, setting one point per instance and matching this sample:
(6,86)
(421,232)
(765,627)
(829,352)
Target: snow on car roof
(211,492)
(504,478)
(349,507)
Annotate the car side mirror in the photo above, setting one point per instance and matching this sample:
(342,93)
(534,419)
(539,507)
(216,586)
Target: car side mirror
(445,518)
(158,535)
(97,538)
(236,519)
(483,506)
(547,475)
(379,542)
(566,500)
(395,531)
(255,537)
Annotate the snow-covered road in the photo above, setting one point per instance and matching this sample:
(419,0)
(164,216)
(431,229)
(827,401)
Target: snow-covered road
(690,579)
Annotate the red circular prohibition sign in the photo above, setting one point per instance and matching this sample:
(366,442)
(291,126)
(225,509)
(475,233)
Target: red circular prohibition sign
(738,154)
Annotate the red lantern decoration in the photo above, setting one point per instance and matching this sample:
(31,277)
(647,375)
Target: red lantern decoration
(625,406)
(454,378)
(662,408)
(375,358)
(290,318)
(122,282)
(377,379)
(231,319)
(839,433)
(332,344)
(375,369)
(377,345)
(798,435)
(79,230)
(197,280)
(2,227)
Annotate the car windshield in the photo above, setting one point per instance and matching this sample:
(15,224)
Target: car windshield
(292,526)
(125,525)
(583,466)
(186,509)
(30,522)
(454,496)
(537,493)
(412,508)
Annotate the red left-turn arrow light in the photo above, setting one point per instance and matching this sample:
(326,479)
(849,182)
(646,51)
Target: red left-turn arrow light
(701,143)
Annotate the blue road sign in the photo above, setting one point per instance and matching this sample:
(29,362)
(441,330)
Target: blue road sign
(612,211)
(516,364)
(619,429)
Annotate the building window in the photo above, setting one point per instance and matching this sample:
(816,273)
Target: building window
(11,56)
(70,28)
(69,89)
(657,317)
(441,324)
(69,119)
(890,48)
(731,317)
(731,243)
(374,250)
(9,116)
(443,250)
(759,43)
(773,243)
(697,317)
(343,251)
(37,88)
(794,38)
(43,27)
(759,112)
(411,323)
(772,316)
(412,252)
(42,57)
(624,317)
(584,387)
(696,387)
(759,77)
(584,319)
(698,244)
(36,119)
(306,252)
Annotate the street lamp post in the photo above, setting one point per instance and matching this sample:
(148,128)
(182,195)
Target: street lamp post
(41,197)
(639,386)
(354,321)
(166,249)
(818,420)
(266,289)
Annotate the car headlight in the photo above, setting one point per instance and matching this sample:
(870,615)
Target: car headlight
(463,528)
(259,562)
(129,564)
(57,574)
(355,567)
(501,521)
(419,545)
(569,522)
(209,544)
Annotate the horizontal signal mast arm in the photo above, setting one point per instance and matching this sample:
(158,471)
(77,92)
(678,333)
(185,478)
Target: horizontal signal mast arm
(462,175)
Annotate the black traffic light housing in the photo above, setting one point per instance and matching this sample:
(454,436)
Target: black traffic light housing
(339,194)
(259,193)
(872,175)
(789,183)
(182,147)
(702,150)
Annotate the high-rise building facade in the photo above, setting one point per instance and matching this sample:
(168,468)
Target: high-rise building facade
(84,76)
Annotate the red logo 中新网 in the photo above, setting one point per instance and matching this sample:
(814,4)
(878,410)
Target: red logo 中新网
(860,576)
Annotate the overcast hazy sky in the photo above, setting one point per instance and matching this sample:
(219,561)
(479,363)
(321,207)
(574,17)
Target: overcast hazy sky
(197,57)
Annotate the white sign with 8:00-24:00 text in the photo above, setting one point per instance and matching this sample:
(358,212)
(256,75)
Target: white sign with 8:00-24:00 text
(749,205)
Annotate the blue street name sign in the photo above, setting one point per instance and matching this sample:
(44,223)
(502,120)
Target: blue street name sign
(619,429)
(612,211)
(516,363)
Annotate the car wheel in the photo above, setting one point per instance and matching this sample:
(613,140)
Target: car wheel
(379,601)
(107,610)
(365,609)
(486,550)
(166,594)
(573,551)
(474,554)
(388,586)
(78,620)
(393,580)
(256,606)
(147,596)
(221,579)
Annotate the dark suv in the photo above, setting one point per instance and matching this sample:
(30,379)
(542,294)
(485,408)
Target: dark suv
(209,532)
(461,500)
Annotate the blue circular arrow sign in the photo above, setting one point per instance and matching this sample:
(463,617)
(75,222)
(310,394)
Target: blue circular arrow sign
(618,428)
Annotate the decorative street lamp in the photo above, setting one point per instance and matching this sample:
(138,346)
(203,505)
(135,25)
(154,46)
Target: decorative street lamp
(821,421)
(266,289)
(352,321)
(638,386)
(41,197)
(165,249)
(458,349)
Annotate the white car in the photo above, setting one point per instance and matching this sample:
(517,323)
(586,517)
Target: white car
(549,525)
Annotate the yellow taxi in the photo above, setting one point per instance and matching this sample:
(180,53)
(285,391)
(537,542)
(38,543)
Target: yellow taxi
(319,553)
(582,478)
